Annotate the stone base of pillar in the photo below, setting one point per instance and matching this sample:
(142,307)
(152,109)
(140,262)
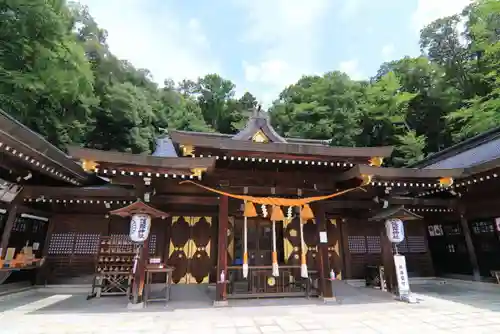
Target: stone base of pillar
(330,300)
(221,303)
(138,306)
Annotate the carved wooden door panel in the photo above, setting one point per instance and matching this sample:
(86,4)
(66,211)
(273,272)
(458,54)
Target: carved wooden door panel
(189,251)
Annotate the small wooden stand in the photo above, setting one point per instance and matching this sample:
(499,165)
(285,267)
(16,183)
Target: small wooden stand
(150,271)
(114,267)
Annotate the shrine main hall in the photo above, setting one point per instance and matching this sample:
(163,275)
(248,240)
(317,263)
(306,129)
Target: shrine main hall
(59,203)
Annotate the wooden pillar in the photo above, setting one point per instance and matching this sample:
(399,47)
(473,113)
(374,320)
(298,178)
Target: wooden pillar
(44,272)
(470,245)
(323,261)
(388,259)
(222,249)
(11,218)
(346,254)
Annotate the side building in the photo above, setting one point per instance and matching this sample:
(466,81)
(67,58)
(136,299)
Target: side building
(467,242)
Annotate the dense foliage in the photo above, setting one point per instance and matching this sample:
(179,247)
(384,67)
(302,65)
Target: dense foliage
(58,76)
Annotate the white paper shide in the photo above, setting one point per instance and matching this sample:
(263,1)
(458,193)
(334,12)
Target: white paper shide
(395,230)
(140,225)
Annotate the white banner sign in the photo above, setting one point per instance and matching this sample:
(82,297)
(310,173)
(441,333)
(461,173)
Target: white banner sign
(140,225)
(395,230)
(402,275)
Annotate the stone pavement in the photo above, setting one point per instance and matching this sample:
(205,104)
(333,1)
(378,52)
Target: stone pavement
(431,315)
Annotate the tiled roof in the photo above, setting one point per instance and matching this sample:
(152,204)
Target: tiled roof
(472,157)
(471,152)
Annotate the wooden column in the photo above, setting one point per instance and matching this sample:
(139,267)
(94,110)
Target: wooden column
(470,245)
(346,254)
(323,261)
(44,272)
(11,218)
(141,267)
(222,248)
(387,259)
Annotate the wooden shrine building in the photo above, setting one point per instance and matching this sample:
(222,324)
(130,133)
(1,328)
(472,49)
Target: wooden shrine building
(203,235)
(467,241)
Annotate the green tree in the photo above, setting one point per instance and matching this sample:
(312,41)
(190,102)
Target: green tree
(325,107)
(45,80)
(482,111)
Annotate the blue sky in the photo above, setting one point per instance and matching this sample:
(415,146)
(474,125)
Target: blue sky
(264,45)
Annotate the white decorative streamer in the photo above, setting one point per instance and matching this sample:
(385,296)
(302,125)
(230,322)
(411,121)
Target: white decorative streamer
(276,272)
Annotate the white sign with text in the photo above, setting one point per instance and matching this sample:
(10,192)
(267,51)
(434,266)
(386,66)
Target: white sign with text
(402,275)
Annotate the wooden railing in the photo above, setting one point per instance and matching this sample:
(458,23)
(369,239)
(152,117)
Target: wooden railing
(261,283)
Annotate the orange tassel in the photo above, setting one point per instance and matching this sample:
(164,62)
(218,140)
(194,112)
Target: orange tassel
(306,213)
(250,210)
(277,214)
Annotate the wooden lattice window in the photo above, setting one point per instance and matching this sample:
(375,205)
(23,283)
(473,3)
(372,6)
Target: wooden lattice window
(483,227)
(357,244)
(37,226)
(402,247)
(416,244)
(61,243)
(373,244)
(87,243)
(19,225)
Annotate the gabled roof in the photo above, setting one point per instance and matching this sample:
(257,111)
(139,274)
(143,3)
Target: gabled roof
(397,212)
(469,153)
(259,127)
(259,121)
(229,144)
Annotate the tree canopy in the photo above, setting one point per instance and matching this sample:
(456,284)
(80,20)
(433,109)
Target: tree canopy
(59,77)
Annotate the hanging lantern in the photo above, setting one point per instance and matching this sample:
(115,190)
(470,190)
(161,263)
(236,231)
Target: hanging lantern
(277,214)
(306,213)
(140,224)
(249,210)
(395,230)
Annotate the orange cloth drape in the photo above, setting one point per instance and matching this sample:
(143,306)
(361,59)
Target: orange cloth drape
(273,200)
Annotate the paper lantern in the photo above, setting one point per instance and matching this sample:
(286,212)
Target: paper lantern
(140,224)
(395,230)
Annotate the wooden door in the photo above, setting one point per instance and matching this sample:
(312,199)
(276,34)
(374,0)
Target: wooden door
(189,250)
(260,242)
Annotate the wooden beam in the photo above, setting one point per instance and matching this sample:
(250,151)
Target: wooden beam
(121,158)
(73,192)
(409,173)
(413,201)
